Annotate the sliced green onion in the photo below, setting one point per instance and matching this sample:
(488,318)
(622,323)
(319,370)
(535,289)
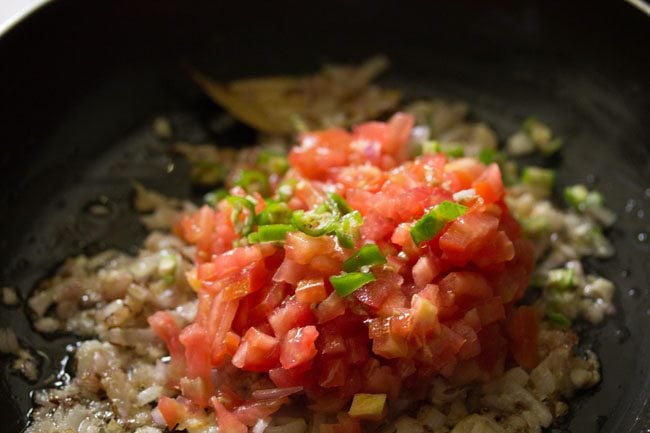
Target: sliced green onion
(561,279)
(273,232)
(242,205)
(541,179)
(558,319)
(347,229)
(214,197)
(346,284)
(272,162)
(368,255)
(427,227)
(581,199)
(252,181)
(274,213)
(430,147)
(314,223)
(341,204)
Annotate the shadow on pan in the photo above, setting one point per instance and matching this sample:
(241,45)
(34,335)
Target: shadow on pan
(80,80)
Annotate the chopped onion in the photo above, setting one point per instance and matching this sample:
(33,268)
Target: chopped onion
(267,394)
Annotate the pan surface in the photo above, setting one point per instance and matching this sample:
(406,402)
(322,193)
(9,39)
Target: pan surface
(81,80)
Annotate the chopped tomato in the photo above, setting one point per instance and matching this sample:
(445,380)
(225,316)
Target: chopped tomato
(257,351)
(298,346)
(268,313)
(523,330)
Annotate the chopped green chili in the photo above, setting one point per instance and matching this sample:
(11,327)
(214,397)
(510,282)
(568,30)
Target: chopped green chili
(427,227)
(341,204)
(347,229)
(452,150)
(368,255)
(274,213)
(487,155)
(347,283)
(314,223)
(241,205)
(252,181)
(273,232)
(272,162)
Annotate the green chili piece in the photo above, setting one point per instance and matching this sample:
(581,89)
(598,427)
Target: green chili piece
(314,223)
(252,181)
(368,255)
(341,204)
(487,155)
(346,284)
(580,198)
(241,205)
(347,229)
(274,213)
(273,232)
(427,227)
(272,162)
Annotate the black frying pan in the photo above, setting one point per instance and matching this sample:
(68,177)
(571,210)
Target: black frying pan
(81,79)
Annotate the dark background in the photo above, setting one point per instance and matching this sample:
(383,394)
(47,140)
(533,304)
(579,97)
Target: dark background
(81,79)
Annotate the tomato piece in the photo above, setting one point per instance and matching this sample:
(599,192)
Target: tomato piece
(234,260)
(283,378)
(291,314)
(298,346)
(494,347)
(332,307)
(376,227)
(302,248)
(425,270)
(311,291)
(523,330)
(464,287)
(257,352)
(375,293)
(471,347)
(197,351)
(172,411)
(466,235)
(165,327)
(489,185)
(197,390)
(491,310)
(333,372)
(319,152)
(226,420)
(498,249)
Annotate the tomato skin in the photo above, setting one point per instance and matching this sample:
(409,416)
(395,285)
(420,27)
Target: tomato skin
(298,346)
(251,412)
(523,330)
(165,327)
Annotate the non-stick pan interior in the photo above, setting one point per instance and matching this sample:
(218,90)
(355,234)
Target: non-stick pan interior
(80,82)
